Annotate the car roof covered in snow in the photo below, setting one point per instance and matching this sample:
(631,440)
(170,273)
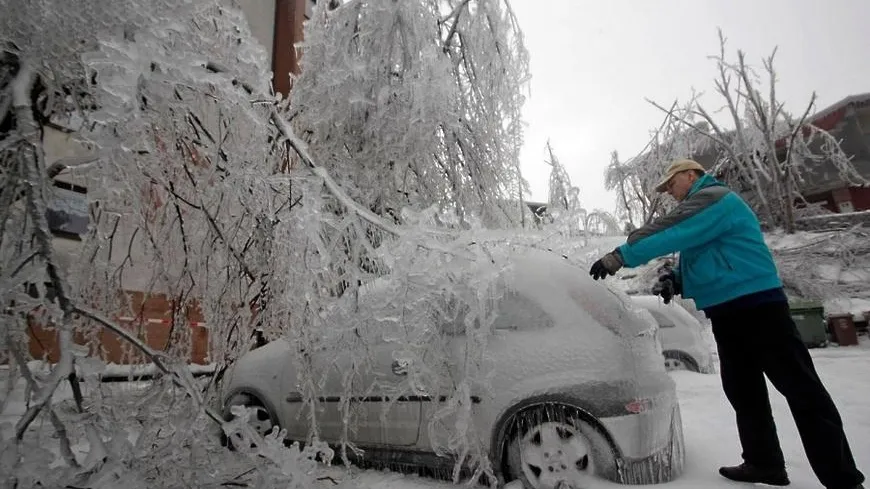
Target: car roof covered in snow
(549,279)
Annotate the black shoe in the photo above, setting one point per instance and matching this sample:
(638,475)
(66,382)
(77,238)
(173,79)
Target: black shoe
(750,473)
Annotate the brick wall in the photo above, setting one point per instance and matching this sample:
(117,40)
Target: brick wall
(152,323)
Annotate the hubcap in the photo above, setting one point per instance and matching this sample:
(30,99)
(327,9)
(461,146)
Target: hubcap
(260,420)
(258,417)
(556,456)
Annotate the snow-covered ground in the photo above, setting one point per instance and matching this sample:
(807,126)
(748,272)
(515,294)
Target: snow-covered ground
(711,437)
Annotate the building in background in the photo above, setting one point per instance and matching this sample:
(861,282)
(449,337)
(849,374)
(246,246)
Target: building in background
(277,25)
(848,121)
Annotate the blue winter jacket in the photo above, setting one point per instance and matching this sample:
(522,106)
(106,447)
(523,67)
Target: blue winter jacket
(722,251)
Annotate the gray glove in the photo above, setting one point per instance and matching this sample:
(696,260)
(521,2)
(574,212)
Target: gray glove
(608,264)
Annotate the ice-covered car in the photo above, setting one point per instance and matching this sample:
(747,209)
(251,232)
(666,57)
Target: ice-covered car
(577,388)
(681,335)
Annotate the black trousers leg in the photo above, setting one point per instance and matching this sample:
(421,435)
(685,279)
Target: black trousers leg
(789,366)
(744,385)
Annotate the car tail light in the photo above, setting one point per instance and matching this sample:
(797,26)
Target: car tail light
(638,406)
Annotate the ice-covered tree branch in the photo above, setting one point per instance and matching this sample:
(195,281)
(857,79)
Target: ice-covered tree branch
(766,151)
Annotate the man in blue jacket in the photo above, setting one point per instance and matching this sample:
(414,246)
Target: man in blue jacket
(727,268)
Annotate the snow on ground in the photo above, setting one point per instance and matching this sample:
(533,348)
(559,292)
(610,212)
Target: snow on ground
(711,436)
(856,307)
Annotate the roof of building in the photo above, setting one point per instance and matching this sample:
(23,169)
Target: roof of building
(830,116)
(823,176)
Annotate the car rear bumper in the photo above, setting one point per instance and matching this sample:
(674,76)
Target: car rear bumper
(651,445)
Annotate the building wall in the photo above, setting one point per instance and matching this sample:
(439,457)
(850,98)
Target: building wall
(862,116)
(153,325)
(845,199)
(153,321)
(151,316)
(860,197)
(59,146)
(277,25)
(261,20)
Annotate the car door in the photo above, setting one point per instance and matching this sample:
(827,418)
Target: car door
(304,377)
(390,400)
(365,394)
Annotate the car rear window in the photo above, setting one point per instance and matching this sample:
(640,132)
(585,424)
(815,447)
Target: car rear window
(610,310)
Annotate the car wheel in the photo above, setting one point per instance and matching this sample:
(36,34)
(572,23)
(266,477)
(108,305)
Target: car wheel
(261,420)
(556,452)
(675,360)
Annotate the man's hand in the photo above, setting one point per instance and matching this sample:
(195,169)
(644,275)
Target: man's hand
(606,265)
(666,287)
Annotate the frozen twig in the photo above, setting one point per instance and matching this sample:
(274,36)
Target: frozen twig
(5,104)
(11,380)
(249,272)
(33,163)
(46,391)
(455,14)
(301,149)
(671,113)
(65,447)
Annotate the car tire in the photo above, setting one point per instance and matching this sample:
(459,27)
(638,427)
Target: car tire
(677,360)
(263,420)
(553,443)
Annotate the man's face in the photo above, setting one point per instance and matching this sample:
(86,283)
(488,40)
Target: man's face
(680,185)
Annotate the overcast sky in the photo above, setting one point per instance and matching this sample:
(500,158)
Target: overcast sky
(594,61)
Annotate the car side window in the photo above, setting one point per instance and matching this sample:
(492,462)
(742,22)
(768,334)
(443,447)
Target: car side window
(451,317)
(664,321)
(514,311)
(520,313)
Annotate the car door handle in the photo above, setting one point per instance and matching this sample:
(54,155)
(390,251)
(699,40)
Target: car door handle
(400,367)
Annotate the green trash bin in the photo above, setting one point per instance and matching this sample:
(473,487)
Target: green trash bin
(810,320)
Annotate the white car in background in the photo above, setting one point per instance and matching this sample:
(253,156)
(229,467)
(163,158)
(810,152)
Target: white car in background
(681,334)
(577,391)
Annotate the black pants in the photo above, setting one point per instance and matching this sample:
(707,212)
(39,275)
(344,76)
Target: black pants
(763,339)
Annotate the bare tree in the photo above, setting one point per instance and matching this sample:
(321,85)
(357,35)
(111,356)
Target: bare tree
(413,108)
(769,151)
(180,173)
(559,185)
(563,203)
(635,179)
(417,104)
(633,201)
(191,197)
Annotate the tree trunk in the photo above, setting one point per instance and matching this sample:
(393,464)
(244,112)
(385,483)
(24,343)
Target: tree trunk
(789,223)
